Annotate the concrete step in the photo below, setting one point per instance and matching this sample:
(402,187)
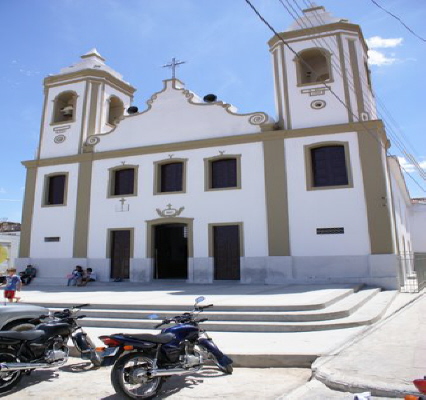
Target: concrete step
(367,313)
(340,309)
(294,299)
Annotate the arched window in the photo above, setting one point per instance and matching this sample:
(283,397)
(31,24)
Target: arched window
(313,66)
(123,181)
(170,176)
(223,172)
(115,111)
(64,107)
(328,166)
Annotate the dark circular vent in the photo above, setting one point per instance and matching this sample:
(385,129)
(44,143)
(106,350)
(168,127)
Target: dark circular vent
(210,98)
(132,110)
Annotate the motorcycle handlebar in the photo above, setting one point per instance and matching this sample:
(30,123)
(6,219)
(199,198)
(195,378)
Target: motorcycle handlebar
(81,306)
(204,307)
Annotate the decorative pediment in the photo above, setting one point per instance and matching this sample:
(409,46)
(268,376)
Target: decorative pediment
(176,114)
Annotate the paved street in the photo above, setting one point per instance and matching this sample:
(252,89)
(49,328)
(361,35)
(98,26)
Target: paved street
(78,380)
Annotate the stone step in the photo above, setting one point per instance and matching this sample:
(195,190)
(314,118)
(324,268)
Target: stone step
(293,300)
(366,314)
(340,309)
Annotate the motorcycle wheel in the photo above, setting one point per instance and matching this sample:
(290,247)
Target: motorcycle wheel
(125,379)
(227,369)
(8,379)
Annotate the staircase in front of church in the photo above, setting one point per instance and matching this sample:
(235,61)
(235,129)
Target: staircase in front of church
(282,329)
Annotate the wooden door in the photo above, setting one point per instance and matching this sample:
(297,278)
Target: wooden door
(226,252)
(120,254)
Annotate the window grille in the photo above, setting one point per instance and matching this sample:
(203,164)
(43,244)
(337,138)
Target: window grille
(330,231)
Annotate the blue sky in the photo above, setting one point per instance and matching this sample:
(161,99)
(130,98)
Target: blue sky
(225,48)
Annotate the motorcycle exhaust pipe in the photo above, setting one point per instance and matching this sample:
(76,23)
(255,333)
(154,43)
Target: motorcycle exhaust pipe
(7,367)
(174,371)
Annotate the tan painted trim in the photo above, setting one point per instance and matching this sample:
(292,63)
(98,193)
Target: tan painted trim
(375,190)
(309,170)
(207,172)
(375,125)
(314,31)
(27,213)
(81,75)
(240,232)
(42,123)
(93,108)
(46,189)
(277,85)
(344,76)
(356,77)
(393,206)
(111,181)
(94,79)
(108,241)
(157,175)
(82,213)
(286,91)
(276,198)
(189,222)
(297,58)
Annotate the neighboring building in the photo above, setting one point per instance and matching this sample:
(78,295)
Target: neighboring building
(190,189)
(7,226)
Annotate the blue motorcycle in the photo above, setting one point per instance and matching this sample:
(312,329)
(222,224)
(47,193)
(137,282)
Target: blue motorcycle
(143,361)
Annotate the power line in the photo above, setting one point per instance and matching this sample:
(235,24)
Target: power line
(323,83)
(399,19)
(399,142)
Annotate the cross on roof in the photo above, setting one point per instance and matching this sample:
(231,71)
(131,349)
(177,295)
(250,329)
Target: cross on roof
(173,64)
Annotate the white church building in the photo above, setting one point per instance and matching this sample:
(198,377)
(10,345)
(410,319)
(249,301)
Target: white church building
(190,189)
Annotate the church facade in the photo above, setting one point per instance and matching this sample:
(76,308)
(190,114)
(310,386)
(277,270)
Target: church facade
(190,189)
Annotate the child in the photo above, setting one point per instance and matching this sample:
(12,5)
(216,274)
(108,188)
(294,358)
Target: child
(13,284)
(75,277)
(89,276)
(27,275)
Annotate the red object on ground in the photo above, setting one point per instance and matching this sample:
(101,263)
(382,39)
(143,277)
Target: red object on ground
(420,384)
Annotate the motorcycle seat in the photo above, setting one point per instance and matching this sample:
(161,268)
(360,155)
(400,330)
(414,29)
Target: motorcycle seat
(24,335)
(161,338)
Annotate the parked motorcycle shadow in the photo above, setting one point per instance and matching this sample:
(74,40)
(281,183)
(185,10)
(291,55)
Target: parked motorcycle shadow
(79,367)
(175,384)
(35,378)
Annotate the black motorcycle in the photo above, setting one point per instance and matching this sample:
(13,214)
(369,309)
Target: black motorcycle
(143,361)
(43,347)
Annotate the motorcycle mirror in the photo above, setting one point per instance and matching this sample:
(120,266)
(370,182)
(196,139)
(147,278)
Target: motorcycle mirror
(153,316)
(199,299)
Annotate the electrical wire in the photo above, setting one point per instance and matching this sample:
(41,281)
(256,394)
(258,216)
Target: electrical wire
(399,142)
(323,83)
(399,19)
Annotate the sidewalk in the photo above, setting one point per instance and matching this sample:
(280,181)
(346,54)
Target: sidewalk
(384,360)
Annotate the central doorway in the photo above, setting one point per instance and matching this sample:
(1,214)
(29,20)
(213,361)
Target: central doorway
(171,251)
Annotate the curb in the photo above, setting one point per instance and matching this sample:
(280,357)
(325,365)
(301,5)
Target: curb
(331,379)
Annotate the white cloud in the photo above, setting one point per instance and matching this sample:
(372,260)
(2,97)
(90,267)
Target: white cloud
(378,58)
(2,190)
(377,42)
(408,167)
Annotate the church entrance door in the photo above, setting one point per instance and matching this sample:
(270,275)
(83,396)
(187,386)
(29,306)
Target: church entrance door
(226,252)
(170,251)
(120,253)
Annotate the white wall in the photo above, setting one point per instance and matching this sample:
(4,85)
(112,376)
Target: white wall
(418,226)
(53,221)
(245,205)
(173,118)
(309,210)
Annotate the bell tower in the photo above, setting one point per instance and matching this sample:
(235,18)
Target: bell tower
(321,73)
(84,99)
